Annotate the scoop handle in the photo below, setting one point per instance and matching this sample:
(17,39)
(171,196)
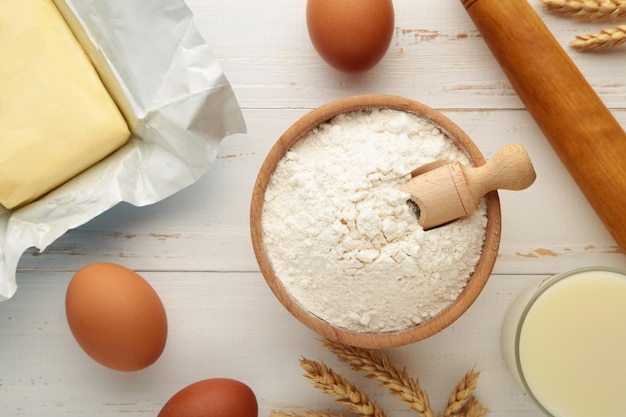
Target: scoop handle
(509,168)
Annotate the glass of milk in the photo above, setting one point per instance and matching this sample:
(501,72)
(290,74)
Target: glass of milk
(564,340)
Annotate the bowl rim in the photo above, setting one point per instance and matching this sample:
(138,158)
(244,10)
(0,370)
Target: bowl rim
(427,328)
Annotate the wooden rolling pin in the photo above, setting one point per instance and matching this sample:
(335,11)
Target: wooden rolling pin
(584,134)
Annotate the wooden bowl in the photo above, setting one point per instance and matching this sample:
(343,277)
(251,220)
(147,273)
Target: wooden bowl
(415,333)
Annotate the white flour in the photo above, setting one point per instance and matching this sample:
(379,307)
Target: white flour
(342,238)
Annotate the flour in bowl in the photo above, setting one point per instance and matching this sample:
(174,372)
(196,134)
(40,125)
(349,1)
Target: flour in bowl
(341,237)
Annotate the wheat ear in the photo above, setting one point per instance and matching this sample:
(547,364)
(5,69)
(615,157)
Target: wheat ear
(462,393)
(340,388)
(378,367)
(305,413)
(597,41)
(474,408)
(590,10)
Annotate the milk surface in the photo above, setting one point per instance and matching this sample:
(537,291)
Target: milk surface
(571,344)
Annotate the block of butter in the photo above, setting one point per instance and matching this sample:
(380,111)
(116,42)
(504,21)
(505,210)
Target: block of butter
(56,117)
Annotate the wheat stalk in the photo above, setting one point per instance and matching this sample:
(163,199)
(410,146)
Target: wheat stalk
(606,38)
(340,388)
(461,403)
(305,413)
(462,393)
(378,367)
(590,10)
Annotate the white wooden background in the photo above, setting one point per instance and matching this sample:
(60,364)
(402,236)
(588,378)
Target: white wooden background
(195,248)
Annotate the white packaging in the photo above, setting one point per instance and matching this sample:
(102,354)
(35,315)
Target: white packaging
(176,99)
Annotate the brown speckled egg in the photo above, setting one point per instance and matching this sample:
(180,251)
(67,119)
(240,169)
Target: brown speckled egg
(216,397)
(116,316)
(350,35)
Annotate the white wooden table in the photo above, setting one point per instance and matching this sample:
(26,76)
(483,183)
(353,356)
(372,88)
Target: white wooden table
(195,247)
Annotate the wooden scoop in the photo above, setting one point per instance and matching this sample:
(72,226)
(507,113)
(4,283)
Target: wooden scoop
(447,191)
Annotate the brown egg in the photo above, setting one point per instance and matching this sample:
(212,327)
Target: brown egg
(216,397)
(350,35)
(116,316)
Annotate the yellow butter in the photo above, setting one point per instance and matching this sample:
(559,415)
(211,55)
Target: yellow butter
(56,117)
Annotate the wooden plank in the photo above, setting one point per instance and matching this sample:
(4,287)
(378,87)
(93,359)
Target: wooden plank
(546,228)
(230,325)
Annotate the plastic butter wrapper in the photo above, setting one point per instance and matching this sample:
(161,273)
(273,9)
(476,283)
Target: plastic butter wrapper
(175,98)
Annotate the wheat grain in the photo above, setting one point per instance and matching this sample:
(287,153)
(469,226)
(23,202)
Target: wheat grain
(379,367)
(463,391)
(475,408)
(606,38)
(590,10)
(340,388)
